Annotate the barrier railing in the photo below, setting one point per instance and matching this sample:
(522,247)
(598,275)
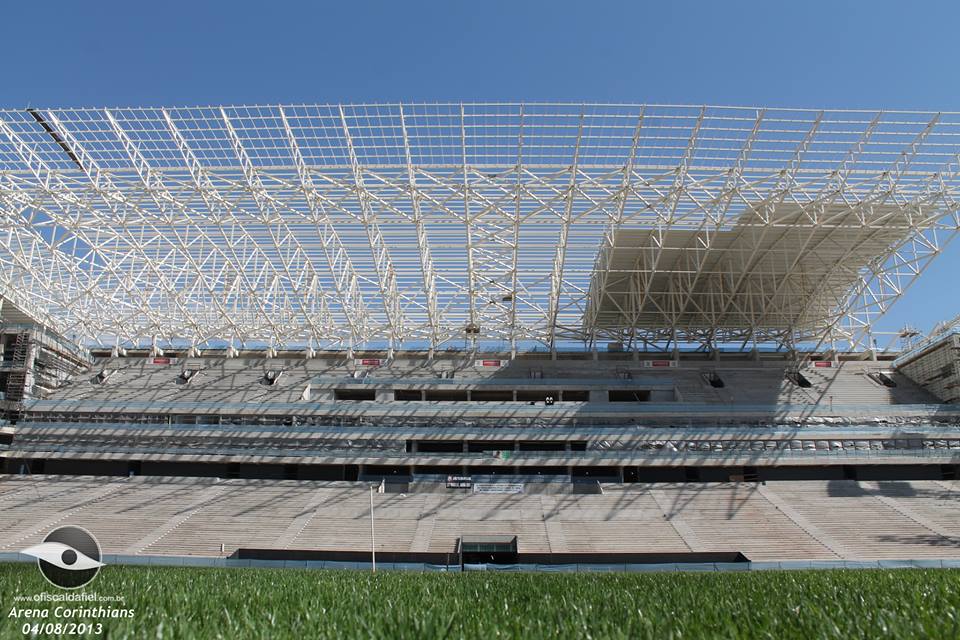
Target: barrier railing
(773,565)
(379,408)
(514,457)
(847,431)
(493,380)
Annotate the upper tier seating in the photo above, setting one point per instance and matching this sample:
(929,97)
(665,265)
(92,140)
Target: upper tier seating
(243,380)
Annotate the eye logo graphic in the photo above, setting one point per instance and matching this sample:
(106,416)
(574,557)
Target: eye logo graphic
(69,557)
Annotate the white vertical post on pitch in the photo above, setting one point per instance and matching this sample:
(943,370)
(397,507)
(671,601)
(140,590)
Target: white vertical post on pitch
(373,536)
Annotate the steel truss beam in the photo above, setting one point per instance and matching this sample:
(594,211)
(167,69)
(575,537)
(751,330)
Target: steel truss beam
(383,264)
(423,242)
(344,277)
(506,225)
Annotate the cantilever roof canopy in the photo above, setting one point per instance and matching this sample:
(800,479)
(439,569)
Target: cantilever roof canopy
(330,225)
(774,272)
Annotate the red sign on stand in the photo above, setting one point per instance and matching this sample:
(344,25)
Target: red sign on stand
(490,363)
(659,363)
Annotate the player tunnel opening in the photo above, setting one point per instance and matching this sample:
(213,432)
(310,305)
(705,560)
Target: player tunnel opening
(628,395)
(497,549)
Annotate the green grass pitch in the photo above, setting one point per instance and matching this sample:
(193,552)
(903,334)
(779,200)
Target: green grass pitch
(302,604)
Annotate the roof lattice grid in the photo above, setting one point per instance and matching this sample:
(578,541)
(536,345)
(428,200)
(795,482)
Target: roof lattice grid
(509,224)
(436,134)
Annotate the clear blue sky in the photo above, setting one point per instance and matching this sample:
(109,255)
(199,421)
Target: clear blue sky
(876,55)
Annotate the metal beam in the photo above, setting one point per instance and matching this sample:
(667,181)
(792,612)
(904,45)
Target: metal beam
(423,242)
(241,223)
(386,274)
(560,258)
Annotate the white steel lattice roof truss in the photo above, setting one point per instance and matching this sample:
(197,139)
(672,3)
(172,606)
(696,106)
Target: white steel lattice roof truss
(503,224)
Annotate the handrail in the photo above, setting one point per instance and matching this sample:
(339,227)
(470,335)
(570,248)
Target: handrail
(514,456)
(550,383)
(635,432)
(560,409)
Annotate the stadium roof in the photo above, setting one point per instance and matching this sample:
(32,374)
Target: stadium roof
(430,224)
